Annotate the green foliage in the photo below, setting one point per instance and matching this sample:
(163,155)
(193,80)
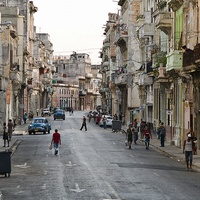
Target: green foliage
(162,4)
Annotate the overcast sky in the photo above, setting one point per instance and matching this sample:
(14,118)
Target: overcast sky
(74,25)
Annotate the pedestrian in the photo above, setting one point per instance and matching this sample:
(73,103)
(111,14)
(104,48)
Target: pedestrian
(5,135)
(142,128)
(104,122)
(120,116)
(98,118)
(89,116)
(147,136)
(162,134)
(129,136)
(37,112)
(72,111)
(188,150)
(10,129)
(56,140)
(84,123)
(25,117)
(135,130)
(115,117)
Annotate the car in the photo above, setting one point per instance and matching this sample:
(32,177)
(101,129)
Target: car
(46,111)
(59,114)
(108,120)
(39,124)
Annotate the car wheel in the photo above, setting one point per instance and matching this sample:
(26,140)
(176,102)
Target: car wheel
(29,132)
(44,132)
(63,118)
(33,132)
(48,131)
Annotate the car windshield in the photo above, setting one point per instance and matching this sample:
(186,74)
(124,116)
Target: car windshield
(59,111)
(38,121)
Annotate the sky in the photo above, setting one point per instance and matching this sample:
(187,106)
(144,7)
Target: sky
(74,25)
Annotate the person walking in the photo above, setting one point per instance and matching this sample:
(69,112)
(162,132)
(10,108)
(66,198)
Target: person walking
(10,129)
(142,128)
(162,135)
(135,130)
(187,149)
(84,124)
(129,136)
(5,135)
(25,117)
(147,136)
(104,122)
(56,140)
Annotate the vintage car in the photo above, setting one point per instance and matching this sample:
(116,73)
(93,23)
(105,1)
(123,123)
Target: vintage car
(59,114)
(39,124)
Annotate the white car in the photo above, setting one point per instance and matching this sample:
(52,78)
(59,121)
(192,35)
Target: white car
(108,120)
(46,111)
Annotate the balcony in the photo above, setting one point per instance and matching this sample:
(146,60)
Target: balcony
(144,79)
(174,60)
(88,75)
(121,79)
(163,21)
(82,92)
(90,90)
(106,44)
(15,76)
(146,30)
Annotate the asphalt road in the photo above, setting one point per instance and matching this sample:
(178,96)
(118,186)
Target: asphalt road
(94,165)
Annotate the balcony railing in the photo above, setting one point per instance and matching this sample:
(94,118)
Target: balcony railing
(146,30)
(174,60)
(163,21)
(144,79)
(121,79)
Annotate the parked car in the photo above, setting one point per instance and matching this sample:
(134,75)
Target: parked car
(39,124)
(46,111)
(108,120)
(59,114)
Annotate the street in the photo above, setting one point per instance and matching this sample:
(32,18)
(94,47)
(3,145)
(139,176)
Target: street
(94,165)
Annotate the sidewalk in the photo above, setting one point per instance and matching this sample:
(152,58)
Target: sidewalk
(19,130)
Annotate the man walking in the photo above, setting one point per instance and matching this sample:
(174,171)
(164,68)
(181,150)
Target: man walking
(162,135)
(56,140)
(84,124)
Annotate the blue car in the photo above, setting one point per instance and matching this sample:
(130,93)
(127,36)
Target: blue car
(59,114)
(39,124)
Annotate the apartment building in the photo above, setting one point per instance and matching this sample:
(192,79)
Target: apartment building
(150,59)
(76,82)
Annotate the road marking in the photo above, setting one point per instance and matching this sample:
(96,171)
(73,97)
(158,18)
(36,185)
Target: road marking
(155,174)
(24,166)
(77,189)
(114,143)
(44,186)
(132,156)
(45,172)
(70,164)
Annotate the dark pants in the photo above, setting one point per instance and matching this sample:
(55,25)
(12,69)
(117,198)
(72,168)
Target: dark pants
(83,125)
(162,140)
